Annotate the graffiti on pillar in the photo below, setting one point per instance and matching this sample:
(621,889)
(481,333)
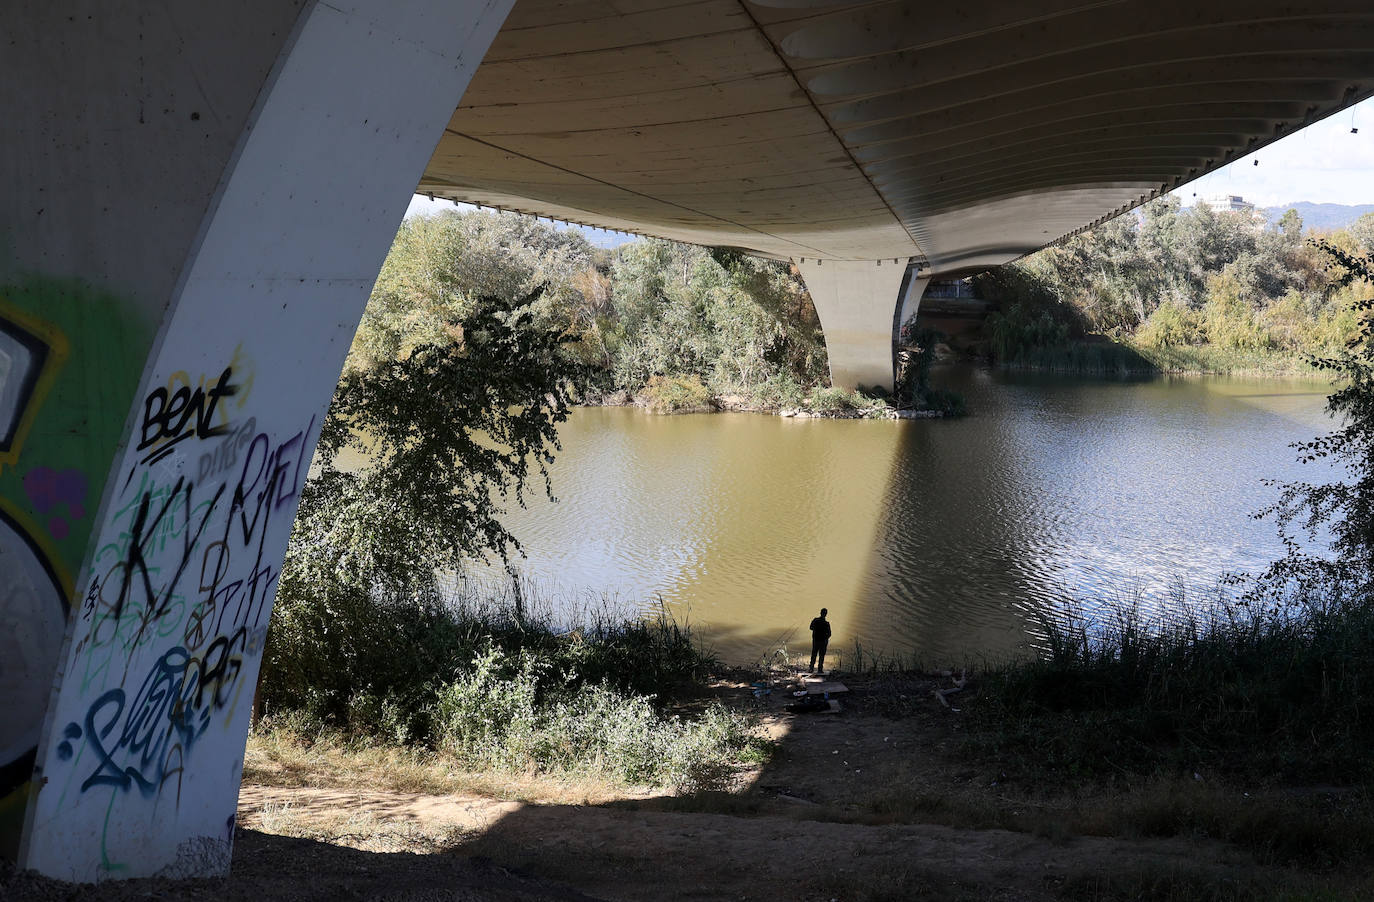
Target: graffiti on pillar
(33,602)
(173,615)
(60,496)
(70,358)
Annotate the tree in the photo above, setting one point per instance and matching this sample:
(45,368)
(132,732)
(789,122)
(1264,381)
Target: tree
(1362,230)
(1290,226)
(450,431)
(440,267)
(1344,507)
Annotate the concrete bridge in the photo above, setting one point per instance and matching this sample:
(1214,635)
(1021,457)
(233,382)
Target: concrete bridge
(198,199)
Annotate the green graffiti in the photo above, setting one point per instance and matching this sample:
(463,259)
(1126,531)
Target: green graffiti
(79,421)
(70,361)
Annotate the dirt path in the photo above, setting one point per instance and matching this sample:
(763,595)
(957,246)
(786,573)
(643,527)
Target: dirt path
(630,853)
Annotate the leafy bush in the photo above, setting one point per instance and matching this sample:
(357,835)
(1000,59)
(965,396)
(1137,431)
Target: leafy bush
(778,391)
(501,714)
(1019,330)
(1171,325)
(375,667)
(832,399)
(676,394)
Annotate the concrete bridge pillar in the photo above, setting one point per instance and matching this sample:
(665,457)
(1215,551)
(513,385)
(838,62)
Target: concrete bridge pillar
(861,305)
(198,199)
(912,290)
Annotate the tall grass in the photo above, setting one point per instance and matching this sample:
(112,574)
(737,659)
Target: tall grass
(379,664)
(505,714)
(1276,688)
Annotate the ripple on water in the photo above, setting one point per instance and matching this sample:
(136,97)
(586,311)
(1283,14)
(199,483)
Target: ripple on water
(942,539)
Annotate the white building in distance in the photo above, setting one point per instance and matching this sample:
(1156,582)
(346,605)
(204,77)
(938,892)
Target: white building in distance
(1228,203)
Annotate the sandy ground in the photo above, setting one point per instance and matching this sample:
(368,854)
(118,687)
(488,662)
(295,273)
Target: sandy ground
(630,853)
(835,816)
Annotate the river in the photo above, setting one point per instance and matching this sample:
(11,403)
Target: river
(942,541)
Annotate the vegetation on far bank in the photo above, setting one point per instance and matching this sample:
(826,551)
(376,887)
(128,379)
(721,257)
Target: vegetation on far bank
(677,328)
(1179,290)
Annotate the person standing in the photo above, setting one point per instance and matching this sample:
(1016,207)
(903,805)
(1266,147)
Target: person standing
(820,638)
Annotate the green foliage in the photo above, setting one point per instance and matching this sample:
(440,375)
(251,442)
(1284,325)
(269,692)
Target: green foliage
(733,322)
(1259,689)
(842,400)
(1362,232)
(1167,281)
(1229,318)
(492,683)
(440,269)
(499,714)
(676,394)
(376,666)
(1171,325)
(1019,330)
(1344,507)
(449,431)
(779,391)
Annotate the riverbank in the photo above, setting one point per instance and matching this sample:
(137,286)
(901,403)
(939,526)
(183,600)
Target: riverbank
(899,796)
(1102,356)
(820,403)
(883,801)
(895,798)
(1219,759)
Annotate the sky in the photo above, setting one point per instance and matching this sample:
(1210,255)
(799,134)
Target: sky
(1324,163)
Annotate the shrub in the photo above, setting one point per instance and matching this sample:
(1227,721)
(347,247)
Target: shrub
(676,394)
(1019,329)
(496,715)
(376,668)
(1170,325)
(778,391)
(832,399)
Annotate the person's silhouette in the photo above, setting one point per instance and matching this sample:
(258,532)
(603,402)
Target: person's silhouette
(820,638)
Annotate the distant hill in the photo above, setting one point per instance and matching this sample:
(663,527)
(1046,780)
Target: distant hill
(1321,216)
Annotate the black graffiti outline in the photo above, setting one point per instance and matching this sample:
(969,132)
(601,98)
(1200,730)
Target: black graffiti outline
(159,599)
(192,409)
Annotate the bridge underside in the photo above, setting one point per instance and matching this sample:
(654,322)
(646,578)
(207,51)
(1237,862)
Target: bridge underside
(954,137)
(960,136)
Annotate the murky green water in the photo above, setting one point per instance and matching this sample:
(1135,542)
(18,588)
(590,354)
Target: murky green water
(942,538)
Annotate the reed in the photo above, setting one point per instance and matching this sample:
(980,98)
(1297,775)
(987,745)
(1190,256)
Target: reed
(1275,688)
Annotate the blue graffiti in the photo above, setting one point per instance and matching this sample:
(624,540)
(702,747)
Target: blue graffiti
(144,743)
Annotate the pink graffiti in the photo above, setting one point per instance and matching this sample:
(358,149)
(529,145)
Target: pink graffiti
(48,489)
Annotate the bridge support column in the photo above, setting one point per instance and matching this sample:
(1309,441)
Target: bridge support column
(197,206)
(912,290)
(857,303)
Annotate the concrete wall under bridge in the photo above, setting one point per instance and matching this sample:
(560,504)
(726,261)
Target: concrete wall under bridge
(198,199)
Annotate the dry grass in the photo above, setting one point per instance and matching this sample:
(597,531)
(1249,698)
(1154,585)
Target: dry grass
(280,757)
(1313,829)
(358,830)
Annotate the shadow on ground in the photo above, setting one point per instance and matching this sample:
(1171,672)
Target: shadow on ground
(268,867)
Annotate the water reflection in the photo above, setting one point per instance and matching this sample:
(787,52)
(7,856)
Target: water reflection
(942,539)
